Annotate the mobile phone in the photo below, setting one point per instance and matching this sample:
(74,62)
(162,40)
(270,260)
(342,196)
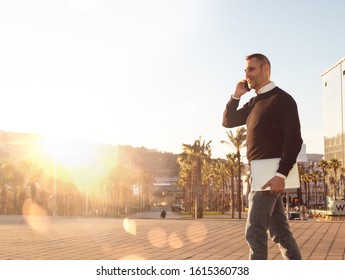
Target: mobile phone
(246,86)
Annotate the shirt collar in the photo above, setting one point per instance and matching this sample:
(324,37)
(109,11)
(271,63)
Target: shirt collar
(266,88)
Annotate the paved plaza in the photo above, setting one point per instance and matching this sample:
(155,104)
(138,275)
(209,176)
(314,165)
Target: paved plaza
(146,236)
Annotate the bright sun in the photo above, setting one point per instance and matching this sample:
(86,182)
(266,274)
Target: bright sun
(75,161)
(70,152)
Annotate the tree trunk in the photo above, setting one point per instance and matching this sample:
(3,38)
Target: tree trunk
(239,189)
(232,194)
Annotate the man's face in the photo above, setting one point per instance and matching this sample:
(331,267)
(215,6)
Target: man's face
(257,75)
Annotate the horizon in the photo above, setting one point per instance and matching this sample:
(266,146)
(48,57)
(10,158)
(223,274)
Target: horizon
(76,140)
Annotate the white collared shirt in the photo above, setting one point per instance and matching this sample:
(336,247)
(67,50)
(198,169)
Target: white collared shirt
(266,88)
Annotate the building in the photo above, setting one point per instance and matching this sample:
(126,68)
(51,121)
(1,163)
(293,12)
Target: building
(166,191)
(333,83)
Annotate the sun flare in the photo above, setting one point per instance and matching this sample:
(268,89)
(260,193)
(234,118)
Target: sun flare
(76,161)
(70,152)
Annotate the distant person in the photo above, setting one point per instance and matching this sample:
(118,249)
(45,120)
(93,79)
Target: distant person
(163,214)
(303,212)
(273,131)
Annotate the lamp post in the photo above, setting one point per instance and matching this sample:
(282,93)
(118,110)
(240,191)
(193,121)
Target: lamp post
(55,208)
(86,203)
(54,188)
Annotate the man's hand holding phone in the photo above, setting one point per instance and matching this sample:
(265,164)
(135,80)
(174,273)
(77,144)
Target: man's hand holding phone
(241,88)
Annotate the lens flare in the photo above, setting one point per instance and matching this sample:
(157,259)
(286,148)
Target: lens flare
(157,237)
(197,232)
(175,241)
(132,257)
(130,226)
(36,216)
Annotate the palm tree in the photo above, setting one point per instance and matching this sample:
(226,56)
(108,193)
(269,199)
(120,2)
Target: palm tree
(238,142)
(334,164)
(323,164)
(306,178)
(145,181)
(213,182)
(342,180)
(15,174)
(6,174)
(315,176)
(185,178)
(121,179)
(196,156)
(231,158)
(220,181)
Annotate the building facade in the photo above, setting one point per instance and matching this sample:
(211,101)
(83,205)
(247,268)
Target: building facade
(166,191)
(333,83)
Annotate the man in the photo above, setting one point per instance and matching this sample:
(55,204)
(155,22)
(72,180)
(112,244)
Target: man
(273,131)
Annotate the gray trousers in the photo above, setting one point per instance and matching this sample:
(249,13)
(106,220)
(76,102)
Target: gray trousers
(266,214)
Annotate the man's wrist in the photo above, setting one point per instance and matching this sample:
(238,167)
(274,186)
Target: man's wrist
(235,97)
(281,175)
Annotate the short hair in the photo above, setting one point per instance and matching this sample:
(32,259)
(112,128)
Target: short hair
(261,58)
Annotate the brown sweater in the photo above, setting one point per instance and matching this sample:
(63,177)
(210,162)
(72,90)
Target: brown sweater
(273,127)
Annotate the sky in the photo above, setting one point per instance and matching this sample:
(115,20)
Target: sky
(158,73)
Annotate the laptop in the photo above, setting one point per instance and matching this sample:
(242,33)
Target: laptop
(264,169)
